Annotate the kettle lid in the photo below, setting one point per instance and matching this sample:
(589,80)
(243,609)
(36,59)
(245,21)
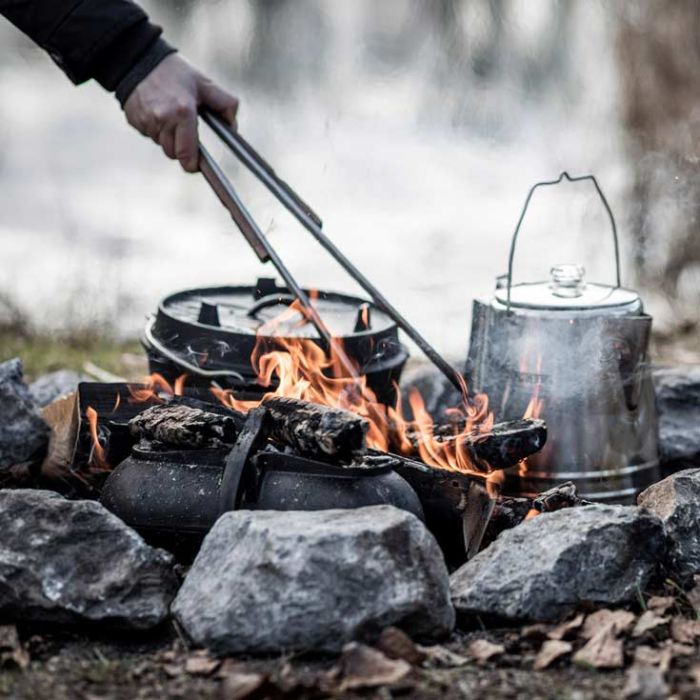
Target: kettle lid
(568,290)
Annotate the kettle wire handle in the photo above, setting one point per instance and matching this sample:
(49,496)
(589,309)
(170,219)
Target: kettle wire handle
(547,183)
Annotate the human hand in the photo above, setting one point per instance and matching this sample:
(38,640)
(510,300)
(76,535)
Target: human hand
(164,106)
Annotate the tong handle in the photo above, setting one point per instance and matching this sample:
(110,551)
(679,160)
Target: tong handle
(253,160)
(229,198)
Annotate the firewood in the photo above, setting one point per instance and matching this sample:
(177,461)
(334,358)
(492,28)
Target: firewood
(184,426)
(503,446)
(314,430)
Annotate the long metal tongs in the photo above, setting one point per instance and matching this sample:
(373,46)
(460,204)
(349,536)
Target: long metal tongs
(312,223)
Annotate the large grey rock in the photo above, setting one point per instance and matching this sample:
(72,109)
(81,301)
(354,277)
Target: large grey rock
(678,401)
(676,500)
(67,561)
(50,386)
(543,568)
(267,581)
(24,436)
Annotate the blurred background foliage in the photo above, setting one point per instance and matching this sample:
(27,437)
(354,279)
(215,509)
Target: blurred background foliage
(415,127)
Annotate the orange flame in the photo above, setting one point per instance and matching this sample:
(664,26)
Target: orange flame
(301,369)
(533,409)
(151,387)
(98,455)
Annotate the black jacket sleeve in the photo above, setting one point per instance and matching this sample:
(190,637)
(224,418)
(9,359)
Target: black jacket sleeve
(111,41)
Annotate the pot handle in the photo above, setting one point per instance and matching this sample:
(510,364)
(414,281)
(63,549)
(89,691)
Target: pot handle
(547,183)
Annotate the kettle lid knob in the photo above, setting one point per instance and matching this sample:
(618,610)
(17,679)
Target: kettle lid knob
(568,280)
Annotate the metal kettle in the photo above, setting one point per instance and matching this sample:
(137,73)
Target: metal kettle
(576,354)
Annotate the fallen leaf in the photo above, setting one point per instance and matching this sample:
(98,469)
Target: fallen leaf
(660,603)
(537,631)
(562,630)
(241,685)
(551,650)
(11,650)
(396,644)
(229,666)
(645,682)
(441,657)
(481,650)
(201,665)
(695,674)
(172,670)
(616,620)
(693,596)
(602,650)
(648,621)
(684,631)
(361,666)
(661,656)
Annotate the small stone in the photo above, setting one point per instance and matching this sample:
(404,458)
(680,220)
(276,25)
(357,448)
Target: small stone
(544,568)
(267,581)
(67,561)
(676,500)
(24,436)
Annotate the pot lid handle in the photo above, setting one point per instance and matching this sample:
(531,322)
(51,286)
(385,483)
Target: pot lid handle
(547,183)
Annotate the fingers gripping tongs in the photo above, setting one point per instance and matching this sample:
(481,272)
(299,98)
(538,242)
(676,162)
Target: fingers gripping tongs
(312,223)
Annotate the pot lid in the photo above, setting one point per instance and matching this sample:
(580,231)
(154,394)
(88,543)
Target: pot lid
(567,290)
(265,308)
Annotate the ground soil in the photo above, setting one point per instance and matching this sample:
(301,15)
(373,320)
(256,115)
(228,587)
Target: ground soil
(65,665)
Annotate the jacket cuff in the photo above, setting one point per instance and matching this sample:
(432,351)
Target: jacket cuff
(158,50)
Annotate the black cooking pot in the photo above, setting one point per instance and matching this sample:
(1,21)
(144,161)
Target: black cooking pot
(210,334)
(174,498)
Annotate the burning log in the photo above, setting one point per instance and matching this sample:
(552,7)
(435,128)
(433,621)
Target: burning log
(309,429)
(503,446)
(180,425)
(507,443)
(316,430)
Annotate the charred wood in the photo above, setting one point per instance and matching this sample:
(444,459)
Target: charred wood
(503,446)
(561,496)
(185,426)
(314,430)
(510,511)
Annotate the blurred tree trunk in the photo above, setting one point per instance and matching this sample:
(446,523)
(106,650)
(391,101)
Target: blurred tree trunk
(659,54)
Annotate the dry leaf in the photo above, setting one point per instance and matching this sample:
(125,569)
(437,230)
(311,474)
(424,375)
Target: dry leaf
(660,603)
(396,644)
(648,621)
(695,674)
(11,650)
(551,650)
(361,666)
(602,650)
(684,631)
(645,682)
(201,664)
(693,596)
(441,657)
(538,631)
(661,656)
(481,650)
(241,685)
(616,620)
(172,670)
(561,631)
